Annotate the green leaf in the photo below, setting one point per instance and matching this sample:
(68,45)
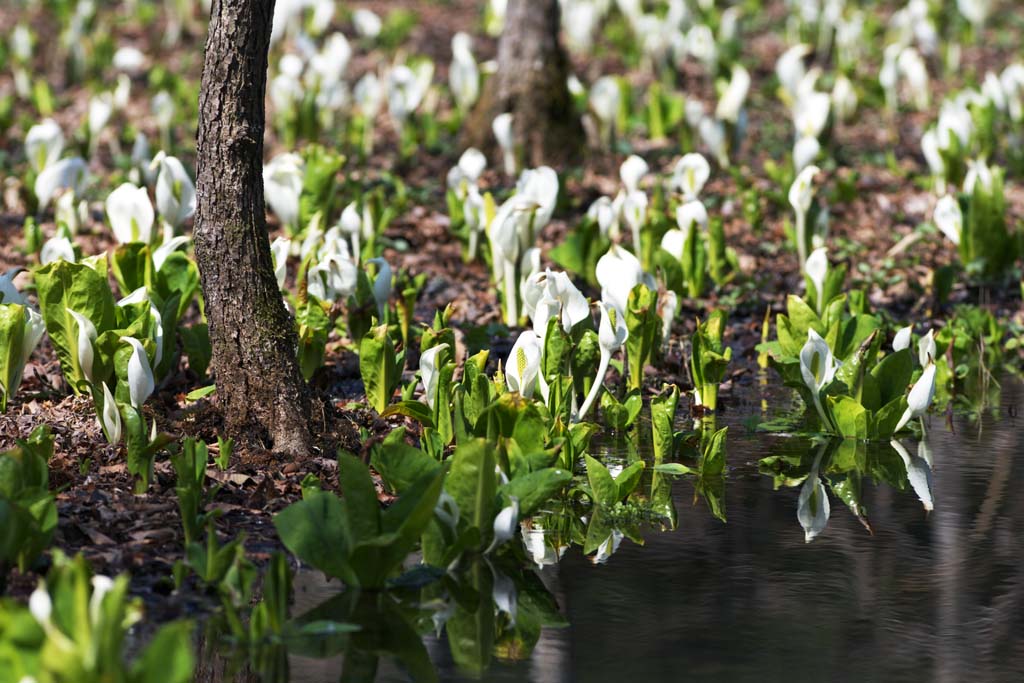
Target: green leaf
(168,656)
(605,491)
(378,367)
(316,530)
(628,479)
(536,488)
(399,464)
(201,392)
(472,482)
(415,409)
(77,286)
(360,497)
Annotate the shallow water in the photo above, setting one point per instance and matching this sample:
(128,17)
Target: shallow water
(928,596)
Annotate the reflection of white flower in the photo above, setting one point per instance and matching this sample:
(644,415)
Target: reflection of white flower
(919,474)
(813,507)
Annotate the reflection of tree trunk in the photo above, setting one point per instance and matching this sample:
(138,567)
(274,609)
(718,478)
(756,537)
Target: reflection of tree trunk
(531,83)
(251,332)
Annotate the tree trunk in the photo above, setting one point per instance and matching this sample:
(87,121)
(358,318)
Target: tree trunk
(252,334)
(531,83)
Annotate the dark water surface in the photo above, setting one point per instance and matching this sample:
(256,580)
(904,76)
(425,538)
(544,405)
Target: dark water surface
(928,596)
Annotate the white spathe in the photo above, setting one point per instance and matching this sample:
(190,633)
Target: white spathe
(282,183)
(140,375)
(131,214)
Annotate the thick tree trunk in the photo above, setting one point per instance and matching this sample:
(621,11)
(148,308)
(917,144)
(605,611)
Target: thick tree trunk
(258,381)
(531,82)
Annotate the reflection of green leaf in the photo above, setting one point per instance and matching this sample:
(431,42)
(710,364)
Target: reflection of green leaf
(472,483)
(471,630)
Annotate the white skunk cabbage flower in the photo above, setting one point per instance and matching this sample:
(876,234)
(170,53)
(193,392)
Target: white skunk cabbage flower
(818,368)
(168,247)
(978,171)
(790,69)
(369,95)
(57,248)
(801,194)
(351,223)
(381,286)
(537,191)
(805,151)
(690,174)
(65,174)
(919,474)
(902,339)
(618,272)
(668,306)
(735,96)
(9,294)
(913,68)
(523,365)
(100,109)
(330,63)
(84,340)
(974,11)
(926,349)
(813,507)
(333,277)
(816,268)
(505,524)
(611,335)
(140,375)
(279,250)
(936,164)
(551,293)
(129,59)
(175,192)
(32,333)
(603,101)
(812,116)
(405,90)
(40,606)
(367,24)
(467,172)
(141,295)
(503,133)
(110,417)
(602,212)
(712,133)
(634,213)
(700,43)
(282,183)
(463,74)
(44,144)
(920,397)
(430,373)
(949,218)
(844,99)
(131,214)
(632,172)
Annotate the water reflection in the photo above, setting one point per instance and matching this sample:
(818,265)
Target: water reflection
(914,574)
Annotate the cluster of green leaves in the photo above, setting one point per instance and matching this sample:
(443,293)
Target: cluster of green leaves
(868,395)
(709,359)
(84,637)
(28,511)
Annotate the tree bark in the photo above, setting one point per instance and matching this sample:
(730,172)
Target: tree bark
(252,334)
(531,82)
